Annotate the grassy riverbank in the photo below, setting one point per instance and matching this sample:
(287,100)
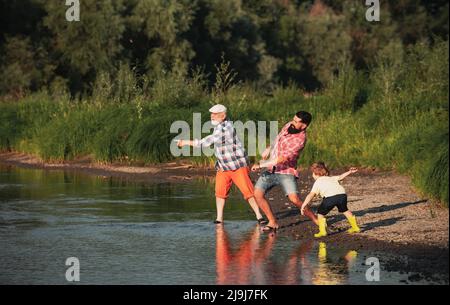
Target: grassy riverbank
(394,117)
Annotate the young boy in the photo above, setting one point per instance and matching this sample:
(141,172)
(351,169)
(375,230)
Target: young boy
(333,194)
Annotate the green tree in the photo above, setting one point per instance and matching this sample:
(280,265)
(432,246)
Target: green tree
(23,67)
(226,28)
(157,29)
(90,45)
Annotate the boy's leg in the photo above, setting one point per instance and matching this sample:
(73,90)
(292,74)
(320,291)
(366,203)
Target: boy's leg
(348,214)
(352,220)
(242,180)
(223,185)
(342,208)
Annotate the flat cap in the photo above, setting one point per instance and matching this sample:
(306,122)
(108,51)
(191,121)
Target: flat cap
(218,108)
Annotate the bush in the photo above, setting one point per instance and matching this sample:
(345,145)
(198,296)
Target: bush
(109,143)
(395,119)
(10,126)
(176,90)
(150,140)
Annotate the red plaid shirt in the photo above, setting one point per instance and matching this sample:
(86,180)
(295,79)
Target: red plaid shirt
(288,146)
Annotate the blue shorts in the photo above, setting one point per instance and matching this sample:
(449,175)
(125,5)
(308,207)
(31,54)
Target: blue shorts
(268,180)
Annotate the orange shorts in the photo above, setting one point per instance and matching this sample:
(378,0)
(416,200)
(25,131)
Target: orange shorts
(240,177)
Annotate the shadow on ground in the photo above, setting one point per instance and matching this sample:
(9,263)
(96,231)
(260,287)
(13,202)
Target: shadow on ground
(340,217)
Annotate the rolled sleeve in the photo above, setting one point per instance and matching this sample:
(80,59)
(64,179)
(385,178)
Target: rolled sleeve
(207,141)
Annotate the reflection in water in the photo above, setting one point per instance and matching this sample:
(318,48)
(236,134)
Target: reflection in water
(252,262)
(236,267)
(332,273)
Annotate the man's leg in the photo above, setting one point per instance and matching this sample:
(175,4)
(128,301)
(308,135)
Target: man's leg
(265,183)
(220,204)
(290,188)
(265,207)
(223,185)
(242,180)
(293,197)
(255,207)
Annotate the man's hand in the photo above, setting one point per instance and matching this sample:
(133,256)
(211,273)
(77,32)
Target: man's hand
(266,153)
(180,143)
(281,160)
(255,167)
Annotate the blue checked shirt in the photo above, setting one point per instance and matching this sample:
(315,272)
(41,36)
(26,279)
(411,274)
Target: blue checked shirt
(228,149)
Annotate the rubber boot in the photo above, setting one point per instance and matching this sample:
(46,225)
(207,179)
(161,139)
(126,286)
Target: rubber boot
(322,228)
(354,228)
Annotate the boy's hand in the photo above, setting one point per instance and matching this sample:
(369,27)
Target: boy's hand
(353,170)
(180,143)
(302,209)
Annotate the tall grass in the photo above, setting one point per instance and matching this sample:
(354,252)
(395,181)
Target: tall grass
(395,117)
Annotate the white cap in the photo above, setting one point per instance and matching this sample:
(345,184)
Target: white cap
(218,108)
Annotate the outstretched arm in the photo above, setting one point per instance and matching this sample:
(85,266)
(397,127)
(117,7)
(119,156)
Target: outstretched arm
(268,163)
(266,153)
(182,143)
(206,141)
(307,201)
(351,171)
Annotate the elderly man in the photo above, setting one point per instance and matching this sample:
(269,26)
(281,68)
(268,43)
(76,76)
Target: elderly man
(281,168)
(232,164)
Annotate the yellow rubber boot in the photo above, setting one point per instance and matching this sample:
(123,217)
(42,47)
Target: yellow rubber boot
(322,228)
(354,228)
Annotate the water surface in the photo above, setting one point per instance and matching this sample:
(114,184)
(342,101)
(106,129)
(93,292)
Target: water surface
(162,233)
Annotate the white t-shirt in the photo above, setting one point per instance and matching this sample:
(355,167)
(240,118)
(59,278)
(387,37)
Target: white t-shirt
(327,186)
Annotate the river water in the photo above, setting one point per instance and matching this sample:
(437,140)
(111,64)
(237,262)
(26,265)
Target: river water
(124,232)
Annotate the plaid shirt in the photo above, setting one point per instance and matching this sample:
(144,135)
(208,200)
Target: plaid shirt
(288,146)
(228,149)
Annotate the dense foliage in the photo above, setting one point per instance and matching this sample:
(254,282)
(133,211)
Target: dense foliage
(110,85)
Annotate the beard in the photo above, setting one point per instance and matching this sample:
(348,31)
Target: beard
(293,130)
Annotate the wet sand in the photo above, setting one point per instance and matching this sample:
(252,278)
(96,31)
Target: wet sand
(392,215)
(393,218)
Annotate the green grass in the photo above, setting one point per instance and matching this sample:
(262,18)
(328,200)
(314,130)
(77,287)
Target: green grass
(395,117)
